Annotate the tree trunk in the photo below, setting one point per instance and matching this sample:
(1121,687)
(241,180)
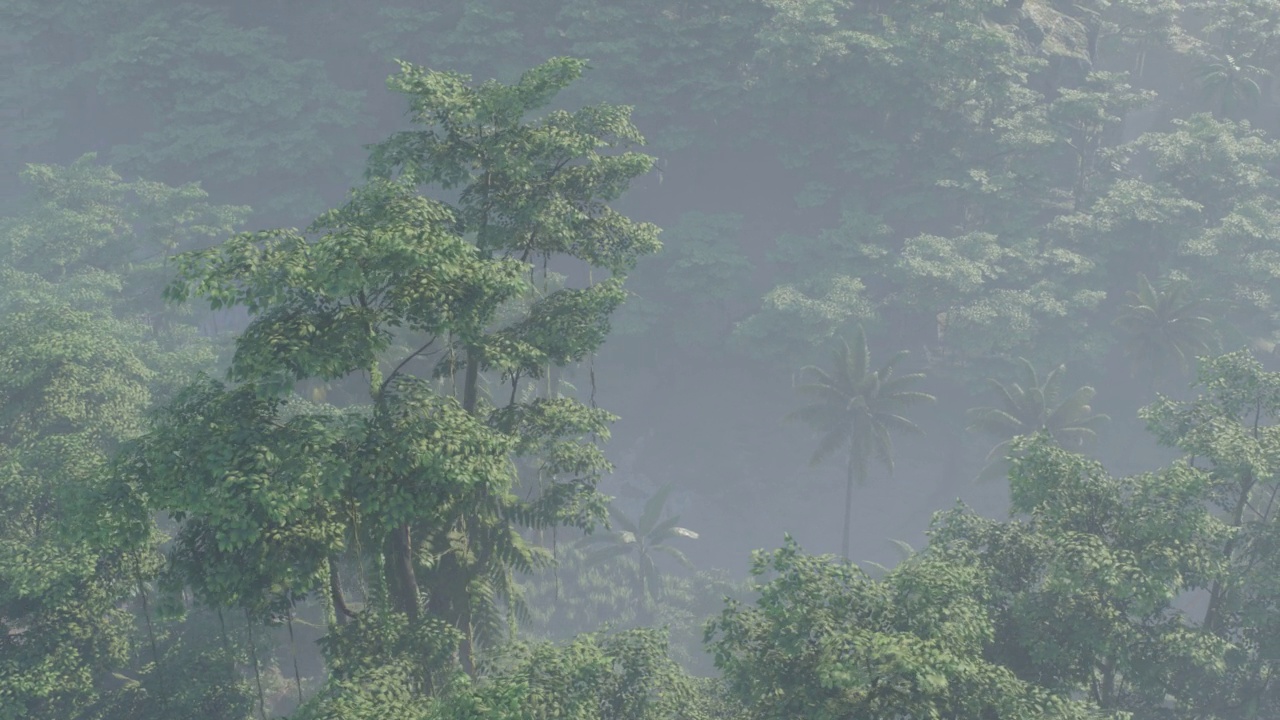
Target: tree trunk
(257,672)
(341,612)
(454,601)
(450,602)
(146,613)
(470,381)
(404,581)
(848,509)
(1218,593)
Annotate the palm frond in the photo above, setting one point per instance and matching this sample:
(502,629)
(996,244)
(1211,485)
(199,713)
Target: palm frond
(904,548)
(604,555)
(676,553)
(995,470)
(1075,436)
(897,422)
(659,531)
(596,538)
(830,443)
(1011,395)
(905,398)
(821,378)
(653,510)
(1071,410)
(998,452)
(1052,385)
(994,421)
(624,522)
(883,446)
(818,415)
(887,369)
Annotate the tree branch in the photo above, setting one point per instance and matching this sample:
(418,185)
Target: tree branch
(387,381)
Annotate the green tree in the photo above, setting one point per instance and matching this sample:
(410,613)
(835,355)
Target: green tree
(536,190)
(1081,586)
(87,348)
(855,408)
(1030,405)
(1230,432)
(825,641)
(268,501)
(72,390)
(423,479)
(1086,116)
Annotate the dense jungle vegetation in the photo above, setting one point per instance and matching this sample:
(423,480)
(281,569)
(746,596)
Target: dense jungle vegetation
(451,360)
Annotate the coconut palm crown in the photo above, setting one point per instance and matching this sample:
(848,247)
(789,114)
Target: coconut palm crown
(854,409)
(1032,405)
(641,539)
(1165,322)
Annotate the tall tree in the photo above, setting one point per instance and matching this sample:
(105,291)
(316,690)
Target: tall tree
(854,408)
(427,477)
(536,191)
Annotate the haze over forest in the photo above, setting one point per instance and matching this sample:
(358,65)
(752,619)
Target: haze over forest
(639,360)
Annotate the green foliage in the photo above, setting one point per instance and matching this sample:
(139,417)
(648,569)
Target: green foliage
(706,266)
(963,174)
(85,352)
(328,308)
(798,318)
(268,500)
(360,650)
(529,190)
(257,498)
(1084,589)
(825,641)
(623,676)
(1228,84)
(170,86)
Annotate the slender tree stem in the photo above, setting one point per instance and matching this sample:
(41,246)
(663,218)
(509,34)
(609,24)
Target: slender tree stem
(293,650)
(257,673)
(472,379)
(341,612)
(146,613)
(406,581)
(848,509)
(226,639)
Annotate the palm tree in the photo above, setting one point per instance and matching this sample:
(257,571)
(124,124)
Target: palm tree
(642,539)
(854,409)
(1163,323)
(1031,405)
(1228,84)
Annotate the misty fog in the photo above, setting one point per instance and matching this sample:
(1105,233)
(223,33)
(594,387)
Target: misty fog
(650,359)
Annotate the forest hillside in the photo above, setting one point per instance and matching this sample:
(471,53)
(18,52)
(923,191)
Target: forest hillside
(644,360)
